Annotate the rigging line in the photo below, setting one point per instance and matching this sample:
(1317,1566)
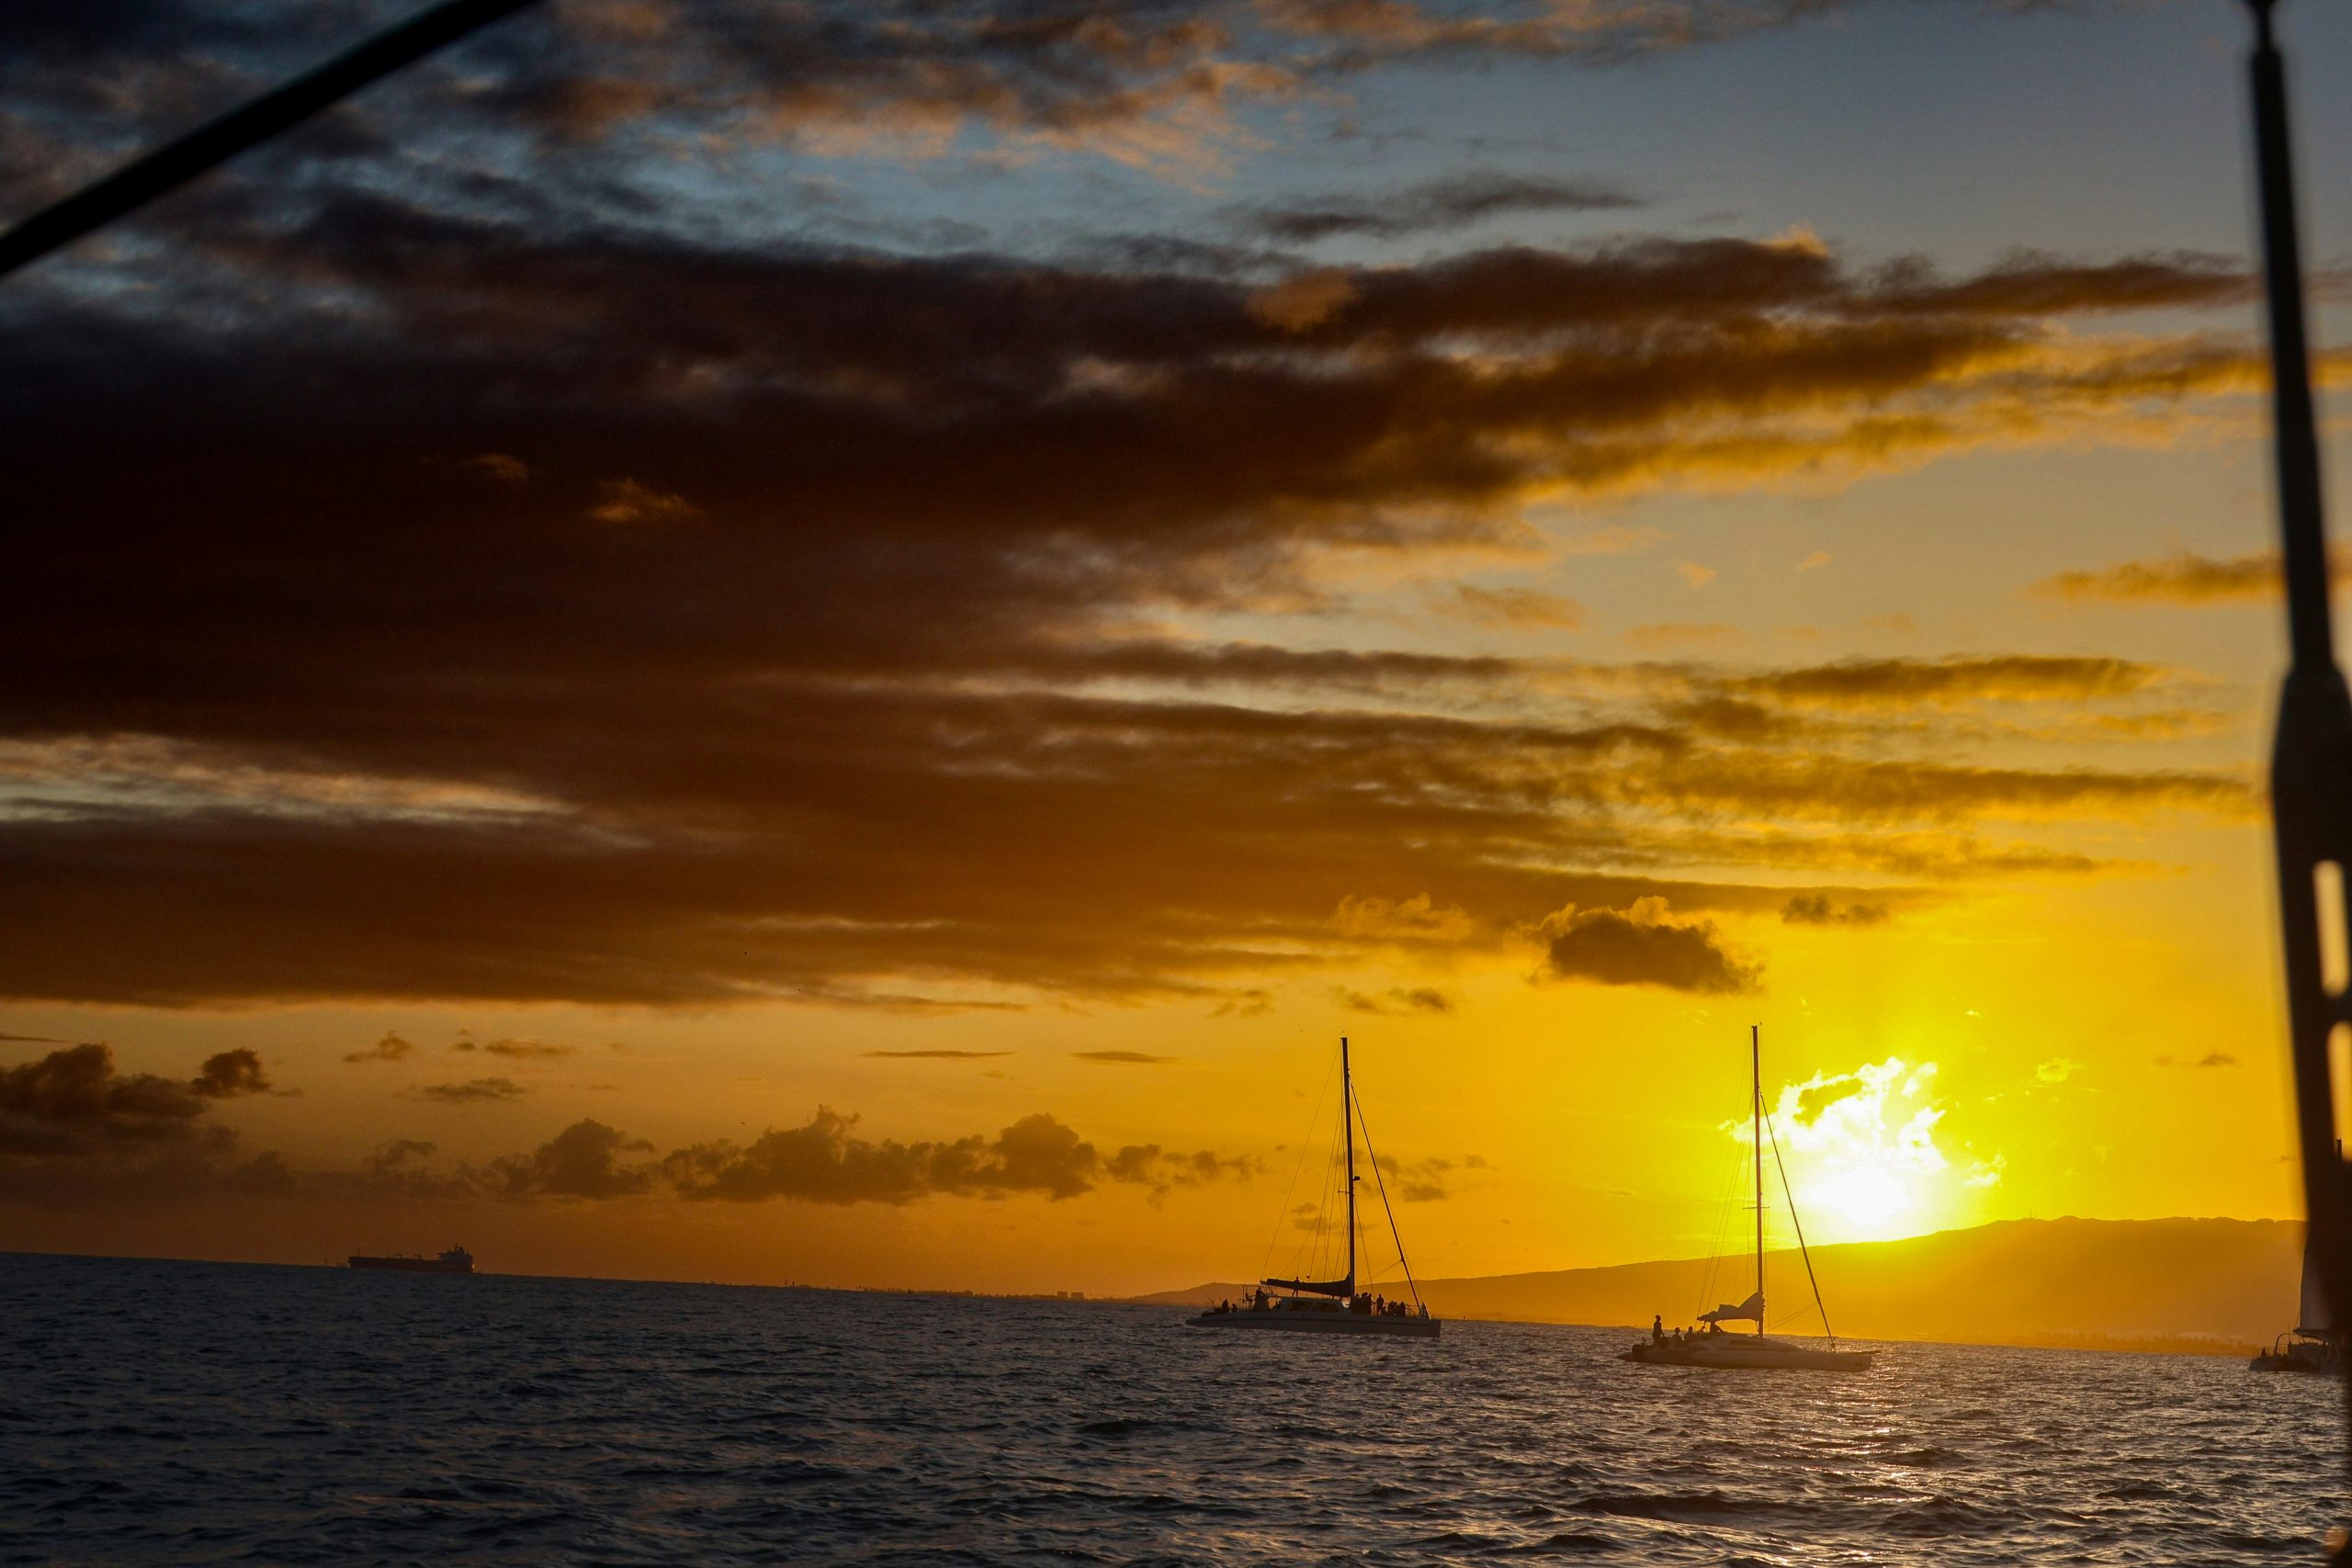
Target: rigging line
(1266,1265)
(1790,1193)
(175,162)
(1391,1212)
(1333,1157)
(1725,1209)
(1314,1260)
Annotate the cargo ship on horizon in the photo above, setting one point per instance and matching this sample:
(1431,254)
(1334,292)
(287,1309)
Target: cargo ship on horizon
(457,1260)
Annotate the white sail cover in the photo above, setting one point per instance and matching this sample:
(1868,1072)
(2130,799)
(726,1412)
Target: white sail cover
(2314,1318)
(1749,1311)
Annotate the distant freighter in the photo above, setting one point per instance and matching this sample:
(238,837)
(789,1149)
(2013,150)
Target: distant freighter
(457,1260)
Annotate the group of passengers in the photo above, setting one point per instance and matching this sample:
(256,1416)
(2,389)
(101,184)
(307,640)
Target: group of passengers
(1256,1301)
(1363,1305)
(1661,1334)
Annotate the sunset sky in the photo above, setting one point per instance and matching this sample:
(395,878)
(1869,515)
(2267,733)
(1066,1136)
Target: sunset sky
(837,642)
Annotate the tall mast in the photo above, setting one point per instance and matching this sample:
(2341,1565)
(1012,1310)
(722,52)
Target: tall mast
(1756,1131)
(2311,758)
(1347,1128)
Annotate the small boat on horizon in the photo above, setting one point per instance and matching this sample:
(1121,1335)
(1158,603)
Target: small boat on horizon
(1731,1352)
(1334,1306)
(457,1260)
(2315,1345)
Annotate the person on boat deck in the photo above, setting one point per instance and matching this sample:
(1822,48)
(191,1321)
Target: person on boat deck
(1658,1329)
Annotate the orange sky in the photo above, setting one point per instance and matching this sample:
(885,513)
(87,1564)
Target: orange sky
(882,738)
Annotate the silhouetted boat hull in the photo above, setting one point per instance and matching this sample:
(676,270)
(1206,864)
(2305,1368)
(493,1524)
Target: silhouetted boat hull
(2314,1344)
(2304,1351)
(1742,1351)
(1319,1318)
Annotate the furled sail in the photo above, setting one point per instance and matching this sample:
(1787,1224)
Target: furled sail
(1343,1289)
(1749,1311)
(2314,1318)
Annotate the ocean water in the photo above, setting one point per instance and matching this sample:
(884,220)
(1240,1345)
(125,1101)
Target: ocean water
(194,1412)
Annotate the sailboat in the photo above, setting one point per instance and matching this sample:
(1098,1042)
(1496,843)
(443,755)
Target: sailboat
(2315,1346)
(1334,1306)
(1732,1351)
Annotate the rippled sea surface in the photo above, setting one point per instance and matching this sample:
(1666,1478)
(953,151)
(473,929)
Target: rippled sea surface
(198,1412)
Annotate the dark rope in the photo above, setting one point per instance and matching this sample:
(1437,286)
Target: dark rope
(1266,1264)
(173,164)
(1818,1305)
(1385,1207)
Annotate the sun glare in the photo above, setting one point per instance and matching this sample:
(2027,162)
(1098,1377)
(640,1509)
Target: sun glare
(1862,1149)
(1866,1202)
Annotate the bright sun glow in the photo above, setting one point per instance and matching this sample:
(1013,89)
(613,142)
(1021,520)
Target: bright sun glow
(1860,1148)
(1867,1201)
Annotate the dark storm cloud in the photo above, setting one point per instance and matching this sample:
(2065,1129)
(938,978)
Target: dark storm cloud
(76,1101)
(826,1162)
(2038,284)
(1429,1180)
(390,1048)
(473,1091)
(74,1126)
(1399,1001)
(936,1055)
(1817,909)
(2182,578)
(519,1049)
(587,1159)
(1114,847)
(1910,682)
(786,651)
(1644,946)
(1454,202)
(229,1074)
(617,82)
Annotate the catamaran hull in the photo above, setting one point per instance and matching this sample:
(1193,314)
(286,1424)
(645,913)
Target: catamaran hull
(1753,1357)
(1321,1323)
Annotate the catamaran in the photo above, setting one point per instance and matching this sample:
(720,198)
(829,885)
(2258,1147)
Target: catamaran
(1334,1306)
(2315,1345)
(1731,1351)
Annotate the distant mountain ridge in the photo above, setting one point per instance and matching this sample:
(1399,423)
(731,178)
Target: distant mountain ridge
(2178,1284)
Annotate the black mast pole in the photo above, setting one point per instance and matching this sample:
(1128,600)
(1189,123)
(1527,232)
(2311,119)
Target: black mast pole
(1755,1111)
(1347,1129)
(2311,758)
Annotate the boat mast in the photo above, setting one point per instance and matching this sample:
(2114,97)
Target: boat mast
(1756,1131)
(1348,1129)
(2311,758)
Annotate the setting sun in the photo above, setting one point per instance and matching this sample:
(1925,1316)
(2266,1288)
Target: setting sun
(1868,1202)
